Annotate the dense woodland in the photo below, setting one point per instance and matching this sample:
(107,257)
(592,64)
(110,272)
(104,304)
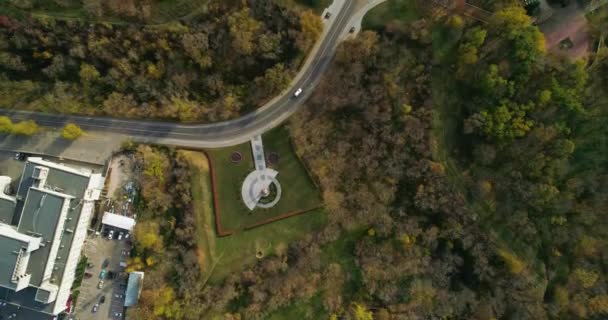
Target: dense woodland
(215,66)
(464,171)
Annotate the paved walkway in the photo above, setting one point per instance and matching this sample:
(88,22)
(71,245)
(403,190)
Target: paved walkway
(260,178)
(257,150)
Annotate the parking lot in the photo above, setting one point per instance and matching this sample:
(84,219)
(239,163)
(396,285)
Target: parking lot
(103,254)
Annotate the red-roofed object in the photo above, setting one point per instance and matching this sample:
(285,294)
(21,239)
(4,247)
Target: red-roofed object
(68,305)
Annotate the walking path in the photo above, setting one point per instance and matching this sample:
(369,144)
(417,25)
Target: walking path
(257,183)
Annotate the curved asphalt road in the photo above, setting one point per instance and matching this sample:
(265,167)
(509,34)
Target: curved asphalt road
(216,134)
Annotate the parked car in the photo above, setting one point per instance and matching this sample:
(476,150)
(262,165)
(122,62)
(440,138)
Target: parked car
(95,308)
(102,299)
(118,296)
(111,275)
(120,234)
(105,263)
(88,275)
(118,314)
(100,285)
(111,235)
(102,274)
(327,15)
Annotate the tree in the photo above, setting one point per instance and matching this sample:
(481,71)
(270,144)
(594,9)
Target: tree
(6,125)
(525,43)
(93,8)
(361,312)
(274,81)
(88,73)
(514,264)
(25,128)
(71,131)
(469,47)
(311,28)
(243,29)
(599,305)
(148,236)
(587,278)
(12,62)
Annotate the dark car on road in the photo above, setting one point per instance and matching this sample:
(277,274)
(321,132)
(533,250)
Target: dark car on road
(106,263)
(102,299)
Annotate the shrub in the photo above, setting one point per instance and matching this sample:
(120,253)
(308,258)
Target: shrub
(25,128)
(71,132)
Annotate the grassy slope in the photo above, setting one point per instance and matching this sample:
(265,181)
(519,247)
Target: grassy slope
(299,193)
(203,208)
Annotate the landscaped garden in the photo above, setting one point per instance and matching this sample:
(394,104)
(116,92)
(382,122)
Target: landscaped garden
(219,256)
(298,191)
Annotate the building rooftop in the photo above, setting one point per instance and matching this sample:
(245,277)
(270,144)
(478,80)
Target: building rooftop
(134,286)
(53,205)
(118,221)
(14,251)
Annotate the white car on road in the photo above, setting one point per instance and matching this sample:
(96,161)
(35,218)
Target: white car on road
(298,92)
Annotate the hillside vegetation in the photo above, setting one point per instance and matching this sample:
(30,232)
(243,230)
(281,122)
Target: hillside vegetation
(464,175)
(216,66)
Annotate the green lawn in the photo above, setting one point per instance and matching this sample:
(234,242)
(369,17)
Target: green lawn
(400,10)
(219,257)
(299,193)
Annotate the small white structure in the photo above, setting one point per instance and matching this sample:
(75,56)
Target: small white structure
(134,286)
(118,221)
(257,183)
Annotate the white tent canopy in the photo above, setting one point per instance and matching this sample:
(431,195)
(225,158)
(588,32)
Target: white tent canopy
(118,221)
